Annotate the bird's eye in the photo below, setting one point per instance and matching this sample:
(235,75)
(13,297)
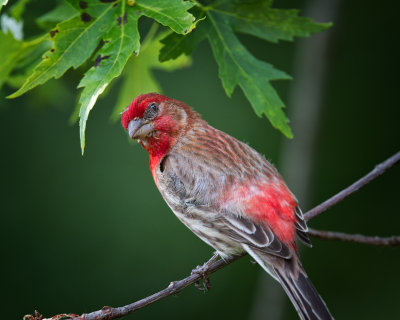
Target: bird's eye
(151,111)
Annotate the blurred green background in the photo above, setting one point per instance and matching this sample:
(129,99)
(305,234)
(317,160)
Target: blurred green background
(83,232)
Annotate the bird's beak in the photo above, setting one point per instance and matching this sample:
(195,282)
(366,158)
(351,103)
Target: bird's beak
(140,128)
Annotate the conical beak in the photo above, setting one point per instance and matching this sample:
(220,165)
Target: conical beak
(139,128)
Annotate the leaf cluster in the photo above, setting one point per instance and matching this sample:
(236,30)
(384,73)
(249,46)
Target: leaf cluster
(106,33)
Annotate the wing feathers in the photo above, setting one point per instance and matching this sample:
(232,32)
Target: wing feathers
(302,228)
(242,224)
(256,236)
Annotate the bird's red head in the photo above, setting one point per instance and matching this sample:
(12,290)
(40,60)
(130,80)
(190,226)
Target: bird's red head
(138,107)
(157,122)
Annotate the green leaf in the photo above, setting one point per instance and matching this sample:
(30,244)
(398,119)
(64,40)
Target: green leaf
(3,3)
(138,79)
(26,62)
(12,51)
(256,17)
(63,12)
(121,41)
(238,67)
(138,76)
(170,13)
(74,42)
(176,44)
(18,9)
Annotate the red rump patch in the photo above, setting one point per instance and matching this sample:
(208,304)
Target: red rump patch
(269,203)
(138,106)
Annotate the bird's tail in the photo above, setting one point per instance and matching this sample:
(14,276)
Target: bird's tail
(299,288)
(304,296)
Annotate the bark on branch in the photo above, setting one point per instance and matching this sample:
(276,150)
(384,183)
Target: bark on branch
(358,238)
(108,313)
(378,171)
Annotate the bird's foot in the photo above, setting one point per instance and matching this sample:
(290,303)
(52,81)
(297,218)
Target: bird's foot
(203,270)
(204,284)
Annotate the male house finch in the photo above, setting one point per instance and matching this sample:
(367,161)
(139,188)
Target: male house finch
(225,192)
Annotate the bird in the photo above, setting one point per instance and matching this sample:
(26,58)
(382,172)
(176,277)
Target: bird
(226,193)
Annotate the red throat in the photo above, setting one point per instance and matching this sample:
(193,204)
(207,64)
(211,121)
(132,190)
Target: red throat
(157,149)
(157,146)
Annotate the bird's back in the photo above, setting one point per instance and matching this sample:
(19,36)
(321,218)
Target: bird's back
(205,162)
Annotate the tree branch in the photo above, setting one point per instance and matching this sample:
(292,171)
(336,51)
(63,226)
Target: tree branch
(378,171)
(358,238)
(108,313)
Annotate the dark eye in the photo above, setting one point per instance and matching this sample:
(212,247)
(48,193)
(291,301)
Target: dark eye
(151,111)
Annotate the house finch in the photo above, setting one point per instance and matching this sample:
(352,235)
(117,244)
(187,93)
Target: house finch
(225,192)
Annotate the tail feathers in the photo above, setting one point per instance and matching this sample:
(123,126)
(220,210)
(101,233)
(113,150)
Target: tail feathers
(290,274)
(304,296)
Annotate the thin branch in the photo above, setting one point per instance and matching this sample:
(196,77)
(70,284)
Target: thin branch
(358,238)
(378,171)
(109,313)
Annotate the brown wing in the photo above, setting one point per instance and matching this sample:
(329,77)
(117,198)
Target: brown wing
(262,237)
(301,228)
(256,236)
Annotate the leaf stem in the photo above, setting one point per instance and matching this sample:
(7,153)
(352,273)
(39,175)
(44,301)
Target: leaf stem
(198,4)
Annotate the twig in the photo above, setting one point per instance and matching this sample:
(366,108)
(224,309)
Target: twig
(378,170)
(109,313)
(358,238)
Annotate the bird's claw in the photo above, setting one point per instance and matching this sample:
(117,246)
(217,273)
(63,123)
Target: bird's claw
(204,284)
(203,271)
